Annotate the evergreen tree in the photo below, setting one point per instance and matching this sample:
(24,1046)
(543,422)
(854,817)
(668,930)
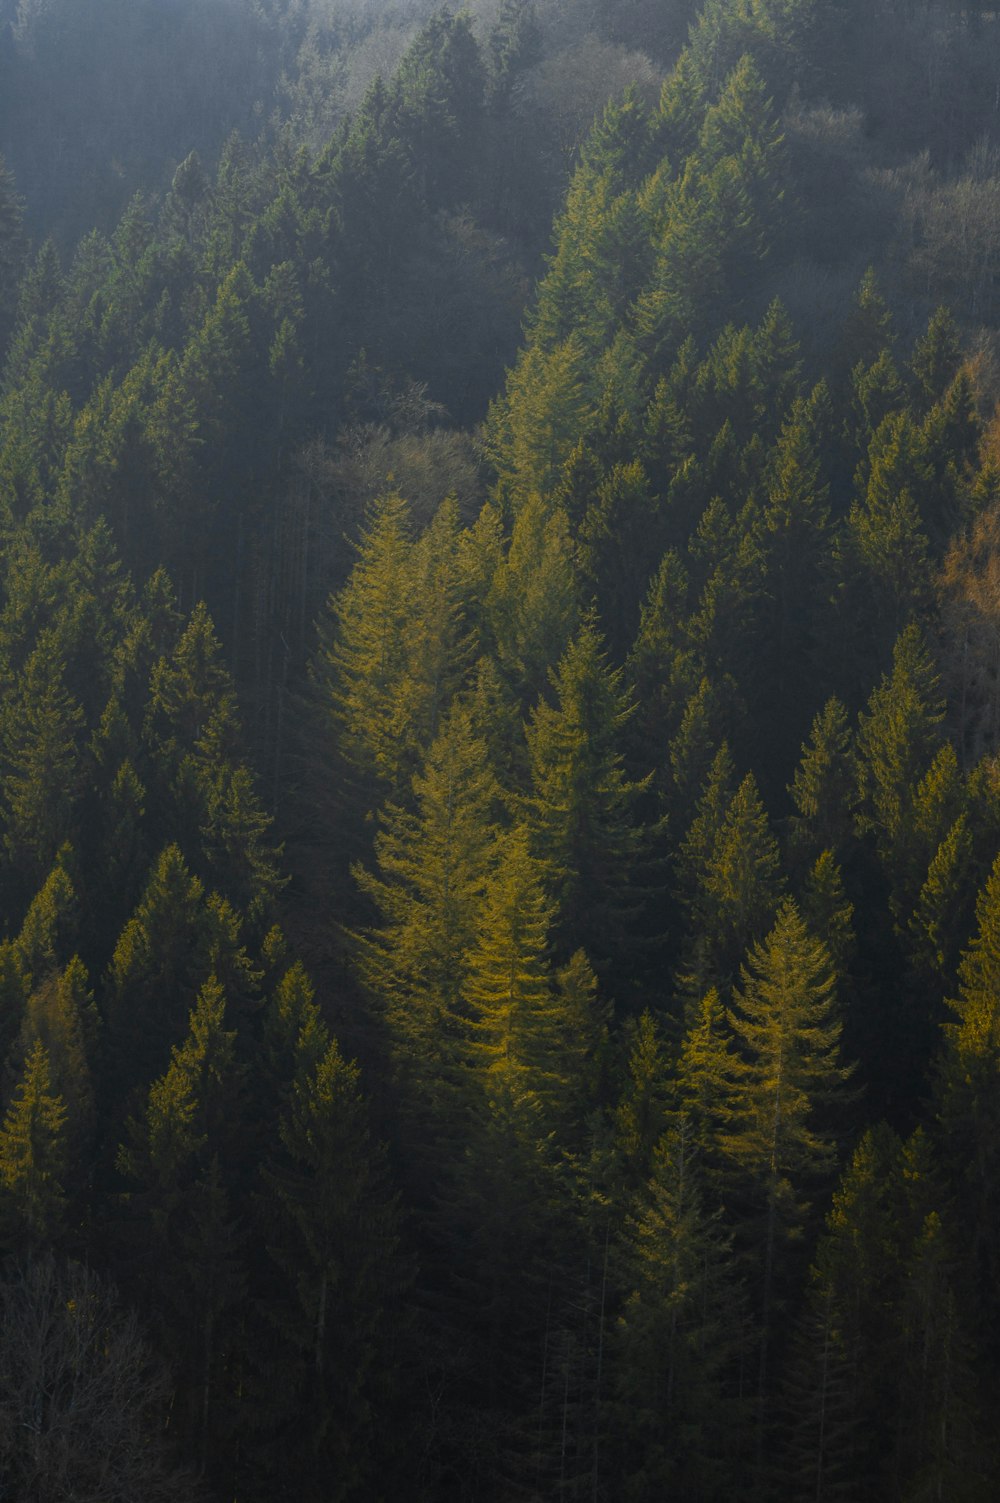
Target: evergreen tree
(781,1141)
(737,890)
(513,1030)
(159,963)
(678,1341)
(432,870)
(840,1381)
(701,1094)
(357,671)
(33,1159)
(936,356)
(640,1115)
(897,740)
(42,764)
(966,1089)
(61,1015)
(582,808)
(795,523)
(187,1245)
(533,603)
(331,1224)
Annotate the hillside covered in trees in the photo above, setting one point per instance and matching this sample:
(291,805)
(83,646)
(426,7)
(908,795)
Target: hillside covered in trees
(499,751)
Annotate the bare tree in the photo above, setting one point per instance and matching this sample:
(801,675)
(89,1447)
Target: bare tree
(82,1402)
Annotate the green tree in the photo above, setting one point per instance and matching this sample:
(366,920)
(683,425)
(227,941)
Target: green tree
(781,1142)
(33,1159)
(641,1113)
(678,1341)
(822,789)
(357,671)
(796,524)
(936,357)
(61,1014)
(967,1093)
(582,809)
(534,600)
(187,1240)
(159,963)
(432,868)
(331,1229)
(842,1373)
(512,1030)
(737,889)
(43,763)
(898,738)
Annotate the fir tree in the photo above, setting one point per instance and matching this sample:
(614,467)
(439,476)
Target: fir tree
(432,870)
(33,1159)
(781,1141)
(332,1232)
(582,808)
(678,1341)
(966,1089)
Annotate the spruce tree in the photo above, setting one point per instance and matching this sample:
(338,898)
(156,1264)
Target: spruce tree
(432,868)
(781,1143)
(360,663)
(737,890)
(159,963)
(34,1157)
(678,1340)
(331,1229)
(582,809)
(898,738)
(967,1093)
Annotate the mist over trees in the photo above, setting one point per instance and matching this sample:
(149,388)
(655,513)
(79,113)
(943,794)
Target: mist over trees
(499,784)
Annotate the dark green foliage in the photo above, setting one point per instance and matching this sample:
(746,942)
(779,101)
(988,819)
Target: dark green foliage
(331,1227)
(678,1343)
(701,615)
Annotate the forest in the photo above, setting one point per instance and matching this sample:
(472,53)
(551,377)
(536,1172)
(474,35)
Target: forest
(499,751)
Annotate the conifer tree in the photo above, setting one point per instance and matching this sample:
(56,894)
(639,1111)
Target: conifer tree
(795,521)
(941,1449)
(159,963)
(868,329)
(886,550)
(533,603)
(828,911)
(190,689)
(432,870)
(702,1086)
(42,764)
(189,1246)
(707,714)
(51,925)
(898,738)
(33,1159)
(61,1015)
(582,808)
(841,1378)
(357,671)
(331,1224)
(936,357)
(698,846)
(678,1341)
(781,1141)
(967,1086)
(737,889)
(640,1115)
(661,673)
(295,1036)
(513,1030)
(938,921)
